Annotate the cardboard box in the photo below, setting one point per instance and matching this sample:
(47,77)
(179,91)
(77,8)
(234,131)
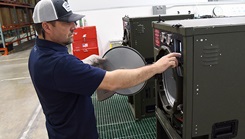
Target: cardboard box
(5,15)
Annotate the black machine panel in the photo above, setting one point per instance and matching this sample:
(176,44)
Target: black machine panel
(202,97)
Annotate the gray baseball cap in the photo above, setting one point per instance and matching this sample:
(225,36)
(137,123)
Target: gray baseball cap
(51,10)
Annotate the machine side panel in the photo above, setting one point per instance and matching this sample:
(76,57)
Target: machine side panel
(218,93)
(141,37)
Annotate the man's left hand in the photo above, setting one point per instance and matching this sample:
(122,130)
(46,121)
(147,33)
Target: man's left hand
(94,60)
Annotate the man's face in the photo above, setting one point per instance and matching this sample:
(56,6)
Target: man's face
(62,32)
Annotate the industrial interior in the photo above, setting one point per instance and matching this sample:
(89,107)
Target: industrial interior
(201,98)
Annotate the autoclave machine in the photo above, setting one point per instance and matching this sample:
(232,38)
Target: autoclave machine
(203,97)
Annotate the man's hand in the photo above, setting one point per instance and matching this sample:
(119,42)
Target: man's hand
(167,61)
(94,60)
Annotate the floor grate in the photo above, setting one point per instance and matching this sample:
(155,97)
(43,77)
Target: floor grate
(115,120)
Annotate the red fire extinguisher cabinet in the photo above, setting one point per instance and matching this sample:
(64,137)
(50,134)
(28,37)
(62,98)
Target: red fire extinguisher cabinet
(85,42)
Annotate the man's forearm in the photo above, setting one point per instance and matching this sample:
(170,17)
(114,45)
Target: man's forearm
(125,78)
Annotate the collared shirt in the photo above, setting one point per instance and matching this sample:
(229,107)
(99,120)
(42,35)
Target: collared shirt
(64,86)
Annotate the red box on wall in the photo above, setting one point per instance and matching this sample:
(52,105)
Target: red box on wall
(86,32)
(85,42)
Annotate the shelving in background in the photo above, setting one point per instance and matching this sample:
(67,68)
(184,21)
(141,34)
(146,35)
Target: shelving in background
(16,24)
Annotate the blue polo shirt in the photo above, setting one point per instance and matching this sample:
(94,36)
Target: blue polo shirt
(64,86)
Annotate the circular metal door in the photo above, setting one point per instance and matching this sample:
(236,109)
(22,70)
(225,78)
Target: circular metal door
(124,57)
(172,82)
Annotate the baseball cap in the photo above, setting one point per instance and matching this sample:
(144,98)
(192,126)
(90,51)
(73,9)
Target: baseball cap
(50,10)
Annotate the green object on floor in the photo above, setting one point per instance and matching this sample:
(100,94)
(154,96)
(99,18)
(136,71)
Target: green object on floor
(115,120)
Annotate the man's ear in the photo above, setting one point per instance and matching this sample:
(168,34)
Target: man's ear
(46,27)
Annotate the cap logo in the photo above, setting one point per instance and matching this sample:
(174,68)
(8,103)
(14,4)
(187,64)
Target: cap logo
(66,6)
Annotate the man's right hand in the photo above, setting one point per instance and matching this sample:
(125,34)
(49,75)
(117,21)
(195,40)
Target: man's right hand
(167,61)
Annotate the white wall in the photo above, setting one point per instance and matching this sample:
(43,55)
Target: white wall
(109,21)
(78,5)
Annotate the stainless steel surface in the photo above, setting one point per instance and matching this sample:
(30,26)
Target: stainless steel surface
(21,116)
(123,57)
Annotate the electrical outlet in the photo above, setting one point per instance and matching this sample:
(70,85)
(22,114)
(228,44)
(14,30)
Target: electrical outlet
(160,9)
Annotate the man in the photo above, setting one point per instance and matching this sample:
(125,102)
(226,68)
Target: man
(64,84)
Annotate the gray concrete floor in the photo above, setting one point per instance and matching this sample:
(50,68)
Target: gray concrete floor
(21,115)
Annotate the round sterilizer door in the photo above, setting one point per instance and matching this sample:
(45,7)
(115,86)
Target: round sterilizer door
(124,57)
(172,82)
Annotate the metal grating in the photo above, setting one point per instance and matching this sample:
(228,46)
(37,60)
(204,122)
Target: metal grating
(115,120)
